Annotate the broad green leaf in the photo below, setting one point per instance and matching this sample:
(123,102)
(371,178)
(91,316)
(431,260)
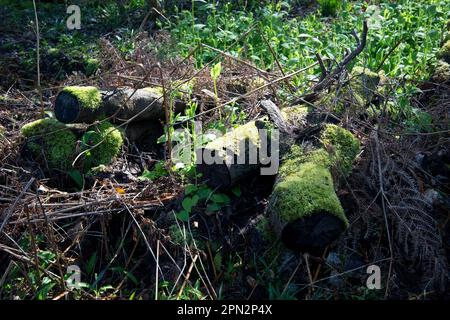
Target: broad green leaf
(220,198)
(77,177)
(183,215)
(190,188)
(236,191)
(213,207)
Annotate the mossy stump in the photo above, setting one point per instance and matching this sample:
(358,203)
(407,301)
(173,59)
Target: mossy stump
(78,104)
(234,156)
(444,52)
(304,208)
(101,145)
(50,142)
(54,144)
(75,104)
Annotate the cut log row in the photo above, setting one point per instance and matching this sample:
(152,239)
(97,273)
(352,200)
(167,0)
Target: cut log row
(88,104)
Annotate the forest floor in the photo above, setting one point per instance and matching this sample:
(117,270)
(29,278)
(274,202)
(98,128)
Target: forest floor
(133,228)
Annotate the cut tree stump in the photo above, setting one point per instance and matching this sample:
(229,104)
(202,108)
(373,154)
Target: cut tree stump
(220,166)
(246,141)
(88,104)
(304,208)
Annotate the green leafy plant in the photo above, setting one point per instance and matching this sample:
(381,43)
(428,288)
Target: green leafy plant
(195,195)
(330,7)
(158,171)
(215,74)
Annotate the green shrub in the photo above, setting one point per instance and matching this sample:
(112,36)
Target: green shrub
(330,7)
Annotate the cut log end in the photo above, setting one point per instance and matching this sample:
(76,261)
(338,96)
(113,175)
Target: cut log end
(312,233)
(67,107)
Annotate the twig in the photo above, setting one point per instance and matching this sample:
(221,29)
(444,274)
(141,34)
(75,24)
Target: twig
(156,273)
(10,211)
(38,58)
(180,292)
(325,83)
(383,204)
(274,55)
(309,272)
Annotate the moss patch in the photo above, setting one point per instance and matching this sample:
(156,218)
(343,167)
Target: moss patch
(309,190)
(232,139)
(51,141)
(92,65)
(110,139)
(442,72)
(444,52)
(156,90)
(360,90)
(342,146)
(305,184)
(339,150)
(88,97)
(295,115)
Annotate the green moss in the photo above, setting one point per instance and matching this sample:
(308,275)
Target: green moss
(295,115)
(444,52)
(342,146)
(231,140)
(156,90)
(110,139)
(290,164)
(88,97)
(51,141)
(363,84)
(321,157)
(92,65)
(309,190)
(305,184)
(354,97)
(442,72)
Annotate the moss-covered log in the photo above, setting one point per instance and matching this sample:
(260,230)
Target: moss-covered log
(235,155)
(304,208)
(88,104)
(50,142)
(248,148)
